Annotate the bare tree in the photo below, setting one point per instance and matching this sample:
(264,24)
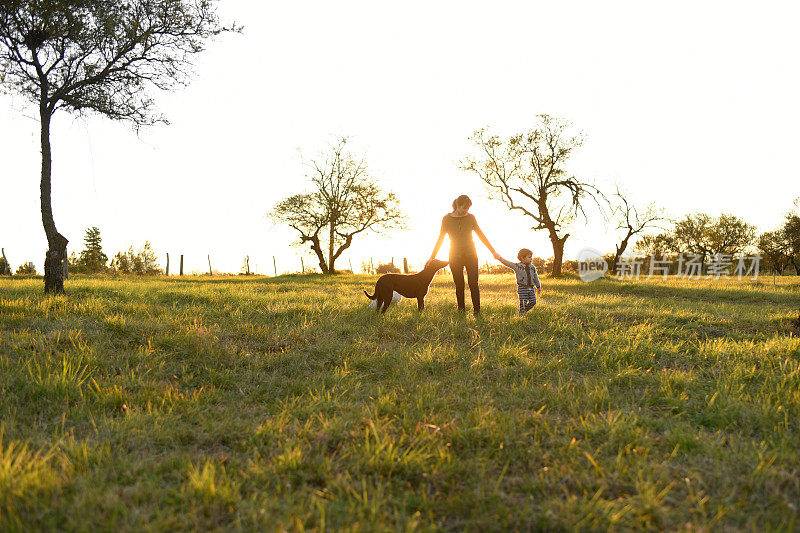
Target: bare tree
(344,202)
(98,56)
(526,172)
(631,221)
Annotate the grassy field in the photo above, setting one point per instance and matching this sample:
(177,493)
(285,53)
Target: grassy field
(283,403)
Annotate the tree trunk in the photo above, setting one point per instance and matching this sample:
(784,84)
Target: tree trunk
(619,251)
(331,259)
(317,248)
(347,242)
(614,261)
(558,253)
(323,266)
(6,266)
(56,243)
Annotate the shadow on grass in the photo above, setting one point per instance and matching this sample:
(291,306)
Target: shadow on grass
(266,280)
(749,292)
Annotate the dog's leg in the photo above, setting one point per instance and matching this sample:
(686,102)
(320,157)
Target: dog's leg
(420,303)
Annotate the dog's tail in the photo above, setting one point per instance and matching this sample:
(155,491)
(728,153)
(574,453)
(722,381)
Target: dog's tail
(368,296)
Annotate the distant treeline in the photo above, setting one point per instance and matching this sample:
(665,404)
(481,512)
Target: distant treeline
(706,240)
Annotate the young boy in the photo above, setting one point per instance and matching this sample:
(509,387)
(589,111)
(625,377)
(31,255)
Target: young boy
(527,279)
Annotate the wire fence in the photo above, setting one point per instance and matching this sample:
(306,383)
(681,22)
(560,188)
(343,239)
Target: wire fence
(171,264)
(176,265)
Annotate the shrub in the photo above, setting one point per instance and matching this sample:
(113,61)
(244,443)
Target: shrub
(75,264)
(27,269)
(142,262)
(387,268)
(493,269)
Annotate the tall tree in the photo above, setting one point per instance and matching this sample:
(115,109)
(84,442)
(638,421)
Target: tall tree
(706,236)
(791,233)
(100,56)
(653,245)
(776,249)
(344,202)
(631,221)
(526,172)
(92,258)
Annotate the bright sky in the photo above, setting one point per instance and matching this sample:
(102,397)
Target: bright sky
(693,105)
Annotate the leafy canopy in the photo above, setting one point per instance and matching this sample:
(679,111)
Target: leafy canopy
(101,55)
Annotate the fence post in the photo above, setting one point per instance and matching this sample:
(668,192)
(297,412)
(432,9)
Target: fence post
(209,265)
(302,266)
(181,273)
(167,273)
(405,265)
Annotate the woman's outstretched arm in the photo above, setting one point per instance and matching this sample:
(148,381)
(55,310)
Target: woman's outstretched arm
(484,240)
(439,242)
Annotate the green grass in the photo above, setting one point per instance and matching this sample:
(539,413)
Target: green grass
(263,404)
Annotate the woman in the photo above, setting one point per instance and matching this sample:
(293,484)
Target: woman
(459,225)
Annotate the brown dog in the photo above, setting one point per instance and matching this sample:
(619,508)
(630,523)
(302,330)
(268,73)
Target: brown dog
(409,286)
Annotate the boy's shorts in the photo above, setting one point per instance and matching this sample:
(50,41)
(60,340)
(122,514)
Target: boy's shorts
(527,299)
